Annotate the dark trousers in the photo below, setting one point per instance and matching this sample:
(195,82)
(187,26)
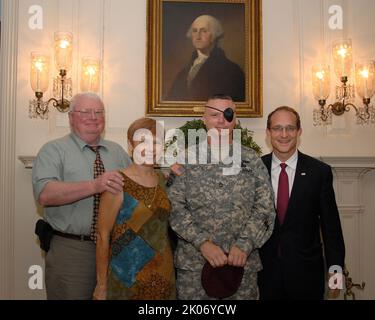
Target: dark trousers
(272,286)
(70,269)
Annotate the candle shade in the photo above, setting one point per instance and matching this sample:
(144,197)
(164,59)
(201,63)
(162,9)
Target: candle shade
(39,72)
(365,79)
(63,50)
(342,52)
(321,82)
(90,74)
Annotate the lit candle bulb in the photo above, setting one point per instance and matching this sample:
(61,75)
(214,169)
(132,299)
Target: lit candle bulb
(342,53)
(63,45)
(365,74)
(39,68)
(320,76)
(63,50)
(91,71)
(90,74)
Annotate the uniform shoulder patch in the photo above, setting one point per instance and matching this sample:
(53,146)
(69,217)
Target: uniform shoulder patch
(177,169)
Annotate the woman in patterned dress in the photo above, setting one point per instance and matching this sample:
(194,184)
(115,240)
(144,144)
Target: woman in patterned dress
(133,255)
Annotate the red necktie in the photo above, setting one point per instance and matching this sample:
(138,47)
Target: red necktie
(282,194)
(98,170)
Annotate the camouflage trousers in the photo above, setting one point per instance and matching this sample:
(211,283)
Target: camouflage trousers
(189,287)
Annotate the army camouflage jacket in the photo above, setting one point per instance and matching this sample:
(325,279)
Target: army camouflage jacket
(225,209)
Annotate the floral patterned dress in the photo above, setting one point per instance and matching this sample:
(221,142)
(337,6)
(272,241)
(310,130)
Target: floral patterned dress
(141,259)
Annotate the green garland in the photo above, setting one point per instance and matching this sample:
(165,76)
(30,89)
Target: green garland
(246,134)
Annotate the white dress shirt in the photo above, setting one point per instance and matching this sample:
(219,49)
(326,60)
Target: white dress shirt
(198,63)
(200,59)
(290,170)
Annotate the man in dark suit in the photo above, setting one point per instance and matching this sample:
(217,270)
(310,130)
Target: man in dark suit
(209,71)
(293,263)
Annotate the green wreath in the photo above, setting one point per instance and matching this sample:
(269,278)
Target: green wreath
(246,134)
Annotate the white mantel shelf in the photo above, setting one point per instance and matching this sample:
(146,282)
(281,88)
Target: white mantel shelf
(27,161)
(350,162)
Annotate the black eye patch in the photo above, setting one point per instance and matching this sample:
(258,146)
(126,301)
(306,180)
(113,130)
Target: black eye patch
(228,113)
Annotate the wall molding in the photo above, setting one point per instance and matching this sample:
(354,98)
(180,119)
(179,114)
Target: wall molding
(8,99)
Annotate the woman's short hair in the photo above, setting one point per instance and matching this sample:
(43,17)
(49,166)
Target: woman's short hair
(142,123)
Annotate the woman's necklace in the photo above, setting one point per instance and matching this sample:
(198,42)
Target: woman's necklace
(153,198)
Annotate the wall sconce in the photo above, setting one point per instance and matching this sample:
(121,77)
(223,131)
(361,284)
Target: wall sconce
(62,87)
(345,93)
(90,72)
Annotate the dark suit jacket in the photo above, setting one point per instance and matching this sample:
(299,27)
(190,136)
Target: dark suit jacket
(217,75)
(311,209)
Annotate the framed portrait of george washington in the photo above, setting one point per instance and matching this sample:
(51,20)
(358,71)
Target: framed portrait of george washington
(196,49)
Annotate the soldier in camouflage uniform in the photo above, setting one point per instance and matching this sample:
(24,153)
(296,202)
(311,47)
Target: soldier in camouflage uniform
(222,219)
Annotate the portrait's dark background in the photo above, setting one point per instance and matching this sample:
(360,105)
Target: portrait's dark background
(177,48)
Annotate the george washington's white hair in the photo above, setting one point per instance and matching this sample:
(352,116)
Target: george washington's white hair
(213,24)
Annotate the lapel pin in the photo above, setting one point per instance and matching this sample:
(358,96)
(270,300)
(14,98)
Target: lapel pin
(303,173)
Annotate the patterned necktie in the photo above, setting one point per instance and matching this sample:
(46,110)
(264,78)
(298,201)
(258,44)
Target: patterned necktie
(98,170)
(282,194)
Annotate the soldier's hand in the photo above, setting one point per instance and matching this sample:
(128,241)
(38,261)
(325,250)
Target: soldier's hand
(111,181)
(214,254)
(237,257)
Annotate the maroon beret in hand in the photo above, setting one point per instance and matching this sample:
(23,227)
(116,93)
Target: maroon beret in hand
(221,282)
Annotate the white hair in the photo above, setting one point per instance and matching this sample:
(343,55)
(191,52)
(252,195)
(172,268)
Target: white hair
(213,24)
(78,96)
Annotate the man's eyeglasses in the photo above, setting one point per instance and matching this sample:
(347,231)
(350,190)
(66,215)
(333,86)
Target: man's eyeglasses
(280,129)
(90,113)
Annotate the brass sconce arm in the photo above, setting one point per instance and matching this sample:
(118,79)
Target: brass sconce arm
(41,108)
(349,285)
(340,107)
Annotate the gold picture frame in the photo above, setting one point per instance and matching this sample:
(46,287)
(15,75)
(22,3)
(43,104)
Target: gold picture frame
(168,52)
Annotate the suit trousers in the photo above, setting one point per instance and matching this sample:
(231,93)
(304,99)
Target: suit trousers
(70,269)
(272,286)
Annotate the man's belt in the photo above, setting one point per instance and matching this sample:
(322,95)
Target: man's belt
(72,236)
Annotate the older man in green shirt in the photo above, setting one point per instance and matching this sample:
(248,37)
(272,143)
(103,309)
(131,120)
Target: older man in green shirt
(64,183)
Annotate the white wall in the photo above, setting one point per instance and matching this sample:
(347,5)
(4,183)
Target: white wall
(295,35)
